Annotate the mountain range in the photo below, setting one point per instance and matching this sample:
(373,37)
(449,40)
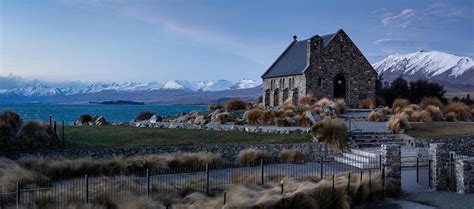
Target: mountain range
(455,73)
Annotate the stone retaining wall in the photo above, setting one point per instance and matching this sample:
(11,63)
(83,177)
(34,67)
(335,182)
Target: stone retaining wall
(459,144)
(465,176)
(312,151)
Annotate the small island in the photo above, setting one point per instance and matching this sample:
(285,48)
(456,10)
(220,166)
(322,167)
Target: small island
(119,102)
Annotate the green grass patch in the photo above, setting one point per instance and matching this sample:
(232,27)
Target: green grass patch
(126,136)
(441,129)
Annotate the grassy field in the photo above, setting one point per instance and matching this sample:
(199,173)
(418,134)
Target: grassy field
(125,136)
(441,129)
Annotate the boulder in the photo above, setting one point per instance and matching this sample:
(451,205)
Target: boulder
(182,119)
(156,119)
(100,120)
(214,114)
(199,120)
(312,116)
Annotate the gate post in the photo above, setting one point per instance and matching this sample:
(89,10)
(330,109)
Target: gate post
(392,163)
(439,169)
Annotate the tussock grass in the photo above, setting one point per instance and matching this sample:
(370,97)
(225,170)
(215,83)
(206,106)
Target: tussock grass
(462,111)
(288,105)
(374,116)
(85,118)
(451,117)
(368,103)
(398,122)
(253,156)
(307,99)
(252,116)
(12,119)
(235,105)
(214,107)
(291,156)
(434,111)
(34,135)
(145,115)
(225,117)
(331,131)
(399,104)
(431,101)
(421,116)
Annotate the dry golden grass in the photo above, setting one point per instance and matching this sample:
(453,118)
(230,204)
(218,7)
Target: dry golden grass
(288,105)
(34,135)
(325,102)
(374,116)
(225,117)
(253,156)
(398,122)
(368,103)
(441,129)
(291,156)
(214,107)
(143,116)
(399,104)
(340,106)
(431,101)
(235,105)
(434,111)
(331,131)
(252,116)
(421,116)
(307,99)
(462,111)
(451,117)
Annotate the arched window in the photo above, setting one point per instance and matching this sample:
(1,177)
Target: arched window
(320,82)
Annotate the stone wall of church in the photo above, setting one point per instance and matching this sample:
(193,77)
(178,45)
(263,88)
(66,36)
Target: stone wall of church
(295,91)
(340,56)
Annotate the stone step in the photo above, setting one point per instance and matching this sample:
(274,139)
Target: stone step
(359,158)
(355,163)
(365,153)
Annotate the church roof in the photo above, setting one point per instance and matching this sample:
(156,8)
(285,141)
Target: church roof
(294,60)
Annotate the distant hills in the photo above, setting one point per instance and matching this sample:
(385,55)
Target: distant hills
(455,73)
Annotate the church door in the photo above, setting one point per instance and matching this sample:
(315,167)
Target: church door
(340,86)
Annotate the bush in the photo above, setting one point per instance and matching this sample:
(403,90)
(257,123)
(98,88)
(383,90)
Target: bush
(374,116)
(198,159)
(225,117)
(288,105)
(214,107)
(145,115)
(11,119)
(33,135)
(451,117)
(331,131)
(235,105)
(462,111)
(307,99)
(253,156)
(252,116)
(85,118)
(421,116)
(7,135)
(431,101)
(434,111)
(368,103)
(324,102)
(267,117)
(302,120)
(291,156)
(399,103)
(340,106)
(398,122)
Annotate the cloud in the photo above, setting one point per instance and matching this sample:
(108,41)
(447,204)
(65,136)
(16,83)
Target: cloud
(403,19)
(394,42)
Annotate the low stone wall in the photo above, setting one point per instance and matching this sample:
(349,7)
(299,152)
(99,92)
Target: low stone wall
(465,176)
(312,151)
(459,144)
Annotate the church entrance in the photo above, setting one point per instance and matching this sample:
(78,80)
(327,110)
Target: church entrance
(340,86)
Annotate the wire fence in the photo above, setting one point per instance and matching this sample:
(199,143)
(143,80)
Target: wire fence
(209,179)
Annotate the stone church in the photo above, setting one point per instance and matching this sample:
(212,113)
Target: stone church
(328,66)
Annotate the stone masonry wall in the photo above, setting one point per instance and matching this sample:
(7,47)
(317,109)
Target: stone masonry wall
(391,158)
(340,56)
(439,156)
(465,176)
(299,88)
(312,151)
(460,144)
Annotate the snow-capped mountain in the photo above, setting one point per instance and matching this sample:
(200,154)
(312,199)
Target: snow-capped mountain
(456,73)
(38,89)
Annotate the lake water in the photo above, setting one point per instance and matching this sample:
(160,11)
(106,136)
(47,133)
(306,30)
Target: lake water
(69,113)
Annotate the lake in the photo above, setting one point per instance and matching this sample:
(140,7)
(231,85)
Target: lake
(69,113)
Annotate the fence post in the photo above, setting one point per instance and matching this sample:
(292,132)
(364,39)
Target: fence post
(87,189)
(63,134)
(350,125)
(361,173)
(261,170)
(348,183)
(225,198)
(417,170)
(429,173)
(333,182)
(55,125)
(18,194)
(370,181)
(321,162)
(50,120)
(148,182)
(383,180)
(207,179)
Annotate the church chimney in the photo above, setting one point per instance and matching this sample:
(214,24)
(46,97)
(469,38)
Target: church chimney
(295,37)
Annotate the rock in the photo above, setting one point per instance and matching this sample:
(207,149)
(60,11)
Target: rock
(155,119)
(290,120)
(199,120)
(312,116)
(182,119)
(77,123)
(100,120)
(214,114)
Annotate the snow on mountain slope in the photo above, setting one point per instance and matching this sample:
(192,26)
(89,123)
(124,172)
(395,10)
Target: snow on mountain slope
(246,83)
(428,64)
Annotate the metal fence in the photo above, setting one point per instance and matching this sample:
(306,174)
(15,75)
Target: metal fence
(209,179)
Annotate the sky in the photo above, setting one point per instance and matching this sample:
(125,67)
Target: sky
(144,40)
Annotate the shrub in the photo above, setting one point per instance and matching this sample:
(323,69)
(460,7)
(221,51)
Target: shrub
(145,115)
(225,117)
(374,116)
(331,131)
(384,111)
(33,135)
(253,156)
(434,111)
(451,117)
(194,159)
(431,101)
(11,173)
(85,118)
(252,116)
(324,102)
(302,120)
(398,122)
(307,99)
(288,105)
(291,156)
(421,116)
(266,117)
(462,111)
(368,103)
(7,135)
(235,105)
(214,107)
(340,106)
(11,119)
(282,122)
(400,103)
